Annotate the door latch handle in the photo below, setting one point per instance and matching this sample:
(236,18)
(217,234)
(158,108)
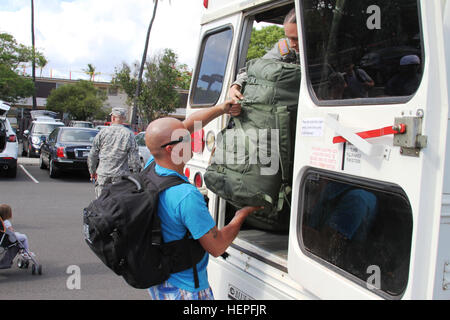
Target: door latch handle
(397,129)
(371,150)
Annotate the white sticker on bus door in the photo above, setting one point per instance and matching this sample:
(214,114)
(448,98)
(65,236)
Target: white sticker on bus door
(352,159)
(312,127)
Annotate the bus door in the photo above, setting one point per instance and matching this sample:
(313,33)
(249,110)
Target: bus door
(370,149)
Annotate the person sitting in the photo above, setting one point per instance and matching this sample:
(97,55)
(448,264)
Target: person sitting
(6,216)
(407,81)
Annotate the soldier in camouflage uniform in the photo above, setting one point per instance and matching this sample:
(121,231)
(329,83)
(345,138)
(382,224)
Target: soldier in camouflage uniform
(114,152)
(285,50)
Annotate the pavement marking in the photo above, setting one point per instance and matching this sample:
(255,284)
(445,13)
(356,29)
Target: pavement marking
(28,174)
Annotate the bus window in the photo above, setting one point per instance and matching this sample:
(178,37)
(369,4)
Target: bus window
(362,49)
(360,228)
(214,56)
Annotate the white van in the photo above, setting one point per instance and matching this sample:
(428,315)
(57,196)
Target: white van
(9,147)
(388,140)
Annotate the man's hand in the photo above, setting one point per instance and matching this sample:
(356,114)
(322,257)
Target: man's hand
(246,211)
(227,106)
(217,241)
(93,177)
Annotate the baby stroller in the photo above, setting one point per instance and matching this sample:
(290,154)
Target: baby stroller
(10,247)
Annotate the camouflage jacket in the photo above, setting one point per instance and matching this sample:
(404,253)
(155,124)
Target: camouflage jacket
(114,152)
(280,51)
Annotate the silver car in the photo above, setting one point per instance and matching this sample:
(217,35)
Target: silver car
(144,153)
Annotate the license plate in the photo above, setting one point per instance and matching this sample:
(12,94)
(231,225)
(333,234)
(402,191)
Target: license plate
(237,294)
(83,154)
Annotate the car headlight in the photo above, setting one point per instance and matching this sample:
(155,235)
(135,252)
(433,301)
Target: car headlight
(35,140)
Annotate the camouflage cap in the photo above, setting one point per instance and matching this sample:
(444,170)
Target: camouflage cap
(121,112)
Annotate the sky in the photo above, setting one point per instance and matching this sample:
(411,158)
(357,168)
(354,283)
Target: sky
(105,33)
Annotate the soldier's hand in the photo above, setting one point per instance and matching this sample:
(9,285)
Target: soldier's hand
(235,92)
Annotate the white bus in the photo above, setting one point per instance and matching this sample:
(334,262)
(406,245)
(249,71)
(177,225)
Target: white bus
(388,139)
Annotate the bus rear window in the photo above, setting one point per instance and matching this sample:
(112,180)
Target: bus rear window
(362,49)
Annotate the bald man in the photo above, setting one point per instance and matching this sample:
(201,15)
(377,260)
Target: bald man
(183,207)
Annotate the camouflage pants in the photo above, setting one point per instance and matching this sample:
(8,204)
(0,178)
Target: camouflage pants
(102,182)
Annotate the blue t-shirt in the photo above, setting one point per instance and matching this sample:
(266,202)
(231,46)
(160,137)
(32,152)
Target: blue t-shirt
(181,207)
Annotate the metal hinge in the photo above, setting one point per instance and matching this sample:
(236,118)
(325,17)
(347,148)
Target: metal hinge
(446,278)
(412,140)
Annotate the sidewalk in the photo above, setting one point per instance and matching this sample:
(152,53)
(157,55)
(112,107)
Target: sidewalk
(28,161)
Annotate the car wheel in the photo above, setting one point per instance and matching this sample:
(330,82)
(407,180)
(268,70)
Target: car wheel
(41,162)
(54,172)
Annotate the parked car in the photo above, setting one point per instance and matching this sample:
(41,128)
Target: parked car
(38,131)
(144,153)
(81,124)
(100,127)
(9,147)
(66,149)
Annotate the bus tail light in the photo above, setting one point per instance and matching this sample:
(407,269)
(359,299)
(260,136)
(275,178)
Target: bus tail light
(198,181)
(198,141)
(187,172)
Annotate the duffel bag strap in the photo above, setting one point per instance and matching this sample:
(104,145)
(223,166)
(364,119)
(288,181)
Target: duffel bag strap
(282,196)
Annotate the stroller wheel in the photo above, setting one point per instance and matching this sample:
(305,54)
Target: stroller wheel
(20,263)
(33,269)
(39,270)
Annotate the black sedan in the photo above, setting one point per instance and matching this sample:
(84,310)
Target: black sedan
(66,149)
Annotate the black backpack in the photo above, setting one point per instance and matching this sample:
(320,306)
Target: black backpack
(123,229)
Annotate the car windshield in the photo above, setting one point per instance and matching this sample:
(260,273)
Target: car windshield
(78,136)
(83,125)
(45,128)
(140,140)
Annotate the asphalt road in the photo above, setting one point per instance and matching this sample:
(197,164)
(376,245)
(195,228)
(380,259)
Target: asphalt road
(49,212)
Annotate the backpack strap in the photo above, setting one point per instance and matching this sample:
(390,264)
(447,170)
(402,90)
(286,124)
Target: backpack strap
(162,182)
(184,253)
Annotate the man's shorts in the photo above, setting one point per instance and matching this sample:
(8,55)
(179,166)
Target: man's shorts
(166,291)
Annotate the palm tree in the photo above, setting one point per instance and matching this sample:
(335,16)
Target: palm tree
(90,71)
(41,63)
(141,69)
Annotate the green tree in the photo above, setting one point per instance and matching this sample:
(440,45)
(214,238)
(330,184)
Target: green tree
(263,40)
(158,95)
(14,87)
(81,100)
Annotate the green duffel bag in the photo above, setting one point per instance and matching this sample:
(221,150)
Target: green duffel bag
(252,162)
(272,82)
(247,167)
